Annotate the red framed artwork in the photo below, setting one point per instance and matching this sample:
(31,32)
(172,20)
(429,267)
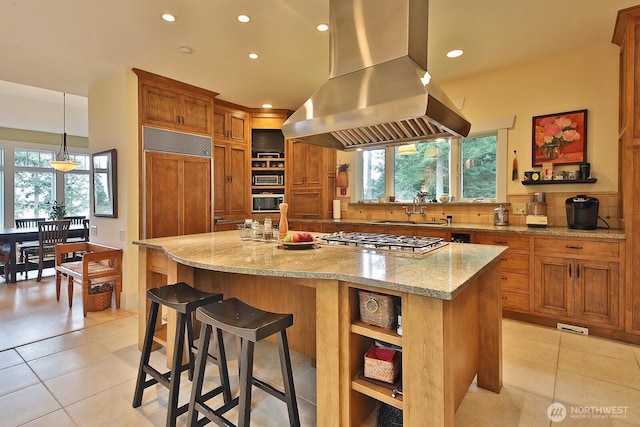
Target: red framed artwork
(559,138)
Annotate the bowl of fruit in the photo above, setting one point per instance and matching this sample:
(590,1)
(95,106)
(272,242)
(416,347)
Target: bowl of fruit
(302,240)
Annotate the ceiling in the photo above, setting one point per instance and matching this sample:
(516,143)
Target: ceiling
(70,45)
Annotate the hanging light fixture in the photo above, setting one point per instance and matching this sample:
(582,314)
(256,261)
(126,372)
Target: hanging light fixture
(404,150)
(63,162)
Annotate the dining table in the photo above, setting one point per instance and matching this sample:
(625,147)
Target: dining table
(13,235)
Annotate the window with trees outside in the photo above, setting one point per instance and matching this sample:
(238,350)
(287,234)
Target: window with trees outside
(464,168)
(36,185)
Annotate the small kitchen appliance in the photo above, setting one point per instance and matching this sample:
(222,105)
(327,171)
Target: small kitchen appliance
(266,202)
(537,210)
(582,212)
(500,216)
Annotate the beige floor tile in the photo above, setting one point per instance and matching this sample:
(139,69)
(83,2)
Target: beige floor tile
(597,345)
(119,341)
(112,328)
(27,404)
(15,378)
(58,418)
(512,407)
(531,350)
(605,368)
(68,360)
(532,332)
(581,391)
(110,408)
(82,383)
(9,358)
(52,345)
(534,377)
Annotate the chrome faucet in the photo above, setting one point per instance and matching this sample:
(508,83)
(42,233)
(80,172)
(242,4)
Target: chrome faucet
(414,206)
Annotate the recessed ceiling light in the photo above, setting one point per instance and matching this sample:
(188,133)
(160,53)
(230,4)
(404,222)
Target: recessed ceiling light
(244,18)
(455,53)
(254,56)
(168,17)
(185,49)
(322,27)
(267,106)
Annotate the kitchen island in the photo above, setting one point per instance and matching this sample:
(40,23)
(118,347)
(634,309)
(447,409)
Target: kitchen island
(451,314)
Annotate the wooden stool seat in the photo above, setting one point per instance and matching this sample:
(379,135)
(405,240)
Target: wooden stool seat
(184,299)
(250,324)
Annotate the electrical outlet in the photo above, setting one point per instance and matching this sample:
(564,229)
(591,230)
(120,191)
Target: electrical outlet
(122,235)
(519,208)
(93,230)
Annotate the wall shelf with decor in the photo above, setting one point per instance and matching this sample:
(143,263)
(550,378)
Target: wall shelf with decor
(561,181)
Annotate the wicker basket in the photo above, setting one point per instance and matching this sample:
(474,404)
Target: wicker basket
(377,309)
(382,370)
(98,302)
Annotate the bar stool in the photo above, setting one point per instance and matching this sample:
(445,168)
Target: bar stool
(250,325)
(184,299)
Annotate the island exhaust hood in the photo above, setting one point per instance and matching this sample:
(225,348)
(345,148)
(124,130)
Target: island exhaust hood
(379,92)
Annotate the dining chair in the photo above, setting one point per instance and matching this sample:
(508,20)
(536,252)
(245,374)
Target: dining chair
(75,220)
(50,233)
(5,252)
(26,223)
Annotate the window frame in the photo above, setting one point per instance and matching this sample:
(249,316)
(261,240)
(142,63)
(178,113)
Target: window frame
(502,164)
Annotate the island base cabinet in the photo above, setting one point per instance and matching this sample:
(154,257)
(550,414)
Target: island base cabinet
(444,346)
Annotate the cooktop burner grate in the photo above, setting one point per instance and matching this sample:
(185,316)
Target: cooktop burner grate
(390,242)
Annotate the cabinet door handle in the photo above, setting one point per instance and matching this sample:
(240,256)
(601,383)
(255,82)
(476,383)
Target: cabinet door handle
(573,247)
(578,270)
(504,277)
(569,270)
(182,120)
(504,259)
(178,120)
(505,297)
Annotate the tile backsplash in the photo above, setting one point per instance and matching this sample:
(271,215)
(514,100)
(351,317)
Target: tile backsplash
(482,213)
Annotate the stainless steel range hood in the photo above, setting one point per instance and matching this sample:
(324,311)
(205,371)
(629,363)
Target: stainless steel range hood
(378,91)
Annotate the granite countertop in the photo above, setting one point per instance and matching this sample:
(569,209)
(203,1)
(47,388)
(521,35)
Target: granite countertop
(537,231)
(442,273)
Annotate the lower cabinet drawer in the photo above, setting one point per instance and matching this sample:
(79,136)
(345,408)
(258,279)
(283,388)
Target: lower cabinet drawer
(513,261)
(514,281)
(514,301)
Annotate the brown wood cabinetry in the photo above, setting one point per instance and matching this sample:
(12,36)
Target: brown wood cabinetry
(578,280)
(310,180)
(230,123)
(515,277)
(231,161)
(627,36)
(169,104)
(176,189)
(230,179)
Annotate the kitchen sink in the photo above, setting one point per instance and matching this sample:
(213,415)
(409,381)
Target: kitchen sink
(392,221)
(401,222)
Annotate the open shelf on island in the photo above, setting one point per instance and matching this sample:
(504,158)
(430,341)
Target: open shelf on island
(561,181)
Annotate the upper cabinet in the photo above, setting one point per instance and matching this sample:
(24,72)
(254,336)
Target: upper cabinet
(169,104)
(311,180)
(230,124)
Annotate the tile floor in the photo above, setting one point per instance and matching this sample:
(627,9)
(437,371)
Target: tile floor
(86,378)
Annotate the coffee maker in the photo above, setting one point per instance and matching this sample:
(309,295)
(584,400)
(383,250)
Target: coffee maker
(582,212)
(537,211)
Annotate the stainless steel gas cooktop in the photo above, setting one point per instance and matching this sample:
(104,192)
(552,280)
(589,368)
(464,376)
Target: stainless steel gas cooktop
(385,242)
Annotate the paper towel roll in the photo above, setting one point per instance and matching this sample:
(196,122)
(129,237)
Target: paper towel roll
(336,209)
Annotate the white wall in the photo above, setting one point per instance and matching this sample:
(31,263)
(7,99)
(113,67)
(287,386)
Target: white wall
(113,123)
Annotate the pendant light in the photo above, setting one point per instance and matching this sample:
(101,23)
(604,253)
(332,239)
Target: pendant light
(63,162)
(407,149)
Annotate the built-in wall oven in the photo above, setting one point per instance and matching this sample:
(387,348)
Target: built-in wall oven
(267,202)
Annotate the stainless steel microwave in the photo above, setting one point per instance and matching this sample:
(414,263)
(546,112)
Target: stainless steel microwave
(268,180)
(267,202)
